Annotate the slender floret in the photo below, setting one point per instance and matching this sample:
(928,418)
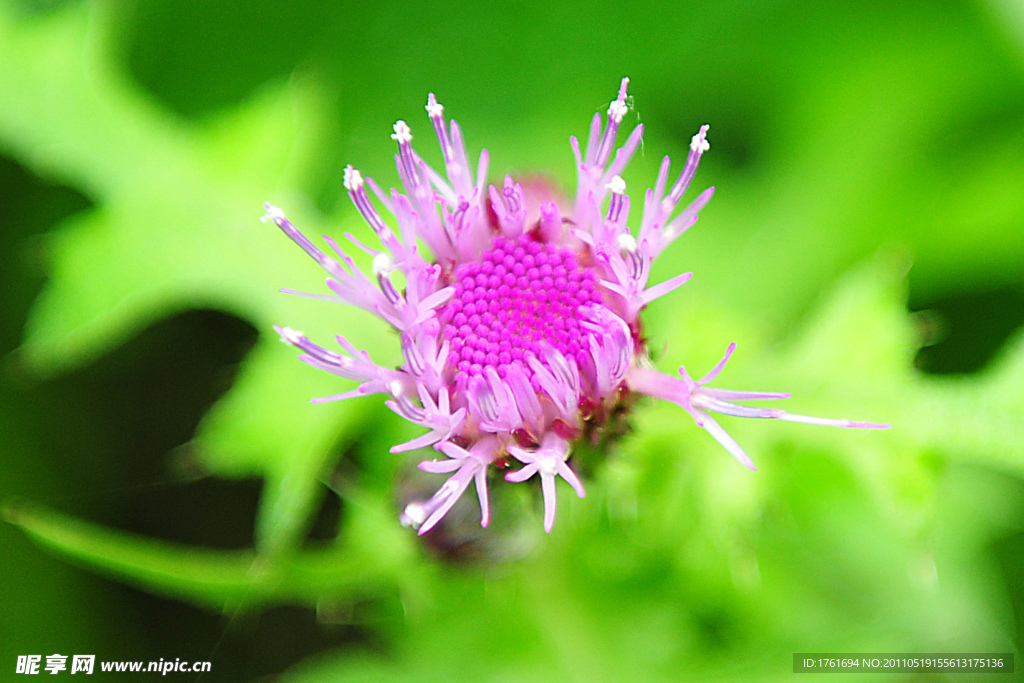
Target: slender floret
(519,324)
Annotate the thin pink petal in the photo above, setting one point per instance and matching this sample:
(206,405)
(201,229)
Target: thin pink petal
(547,483)
(523,474)
(790,417)
(718,368)
(715,430)
(481,492)
(574,481)
(440,466)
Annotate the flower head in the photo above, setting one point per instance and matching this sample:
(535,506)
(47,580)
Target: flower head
(519,319)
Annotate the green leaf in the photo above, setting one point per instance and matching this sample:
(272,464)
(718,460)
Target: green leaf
(176,221)
(232,580)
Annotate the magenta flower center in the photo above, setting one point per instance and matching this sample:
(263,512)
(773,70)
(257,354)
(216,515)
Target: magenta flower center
(520,295)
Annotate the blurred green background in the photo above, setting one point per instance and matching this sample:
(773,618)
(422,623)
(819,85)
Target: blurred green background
(171,493)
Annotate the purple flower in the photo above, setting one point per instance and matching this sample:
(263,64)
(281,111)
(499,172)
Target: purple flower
(522,326)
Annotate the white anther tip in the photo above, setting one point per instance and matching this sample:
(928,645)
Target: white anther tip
(414,515)
(382,263)
(402,134)
(273,213)
(699,143)
(626,242)
(395,388)
(434,108)
(290,336)
(617,109)
(353,179)
(617,185)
